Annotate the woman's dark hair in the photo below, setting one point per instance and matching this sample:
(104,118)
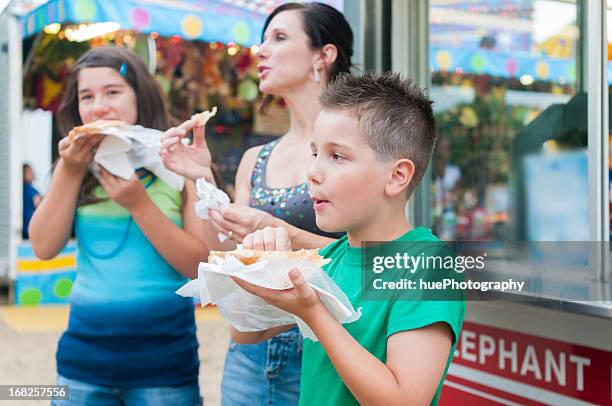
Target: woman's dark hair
(323,25)
(150,102)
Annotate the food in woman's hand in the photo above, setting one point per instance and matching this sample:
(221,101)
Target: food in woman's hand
(204,116)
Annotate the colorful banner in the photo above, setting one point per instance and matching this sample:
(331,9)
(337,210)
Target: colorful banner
(503,64)
(44,282)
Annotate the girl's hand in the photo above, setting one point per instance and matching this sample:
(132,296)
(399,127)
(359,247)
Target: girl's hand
(191,161)
(268,239)
(77,155)
(301,300)
(130,194)
(238,221)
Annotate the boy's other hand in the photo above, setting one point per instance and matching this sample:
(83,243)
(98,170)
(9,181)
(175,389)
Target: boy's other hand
(301,300)
(268,239)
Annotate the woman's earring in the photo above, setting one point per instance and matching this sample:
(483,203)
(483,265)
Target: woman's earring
(317,75)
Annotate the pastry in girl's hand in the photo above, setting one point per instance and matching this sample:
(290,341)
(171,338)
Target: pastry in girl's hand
(95,127)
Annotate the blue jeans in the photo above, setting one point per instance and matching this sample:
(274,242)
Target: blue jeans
(263,374)
(86,394)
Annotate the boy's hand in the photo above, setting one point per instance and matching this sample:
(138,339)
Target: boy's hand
(301,300)
(268,239)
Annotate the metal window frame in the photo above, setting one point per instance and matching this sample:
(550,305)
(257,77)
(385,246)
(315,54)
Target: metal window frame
(15,98)
(410,20)
(371,34)
(596,85)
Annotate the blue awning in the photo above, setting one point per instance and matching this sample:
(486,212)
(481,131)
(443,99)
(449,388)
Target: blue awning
(210,20)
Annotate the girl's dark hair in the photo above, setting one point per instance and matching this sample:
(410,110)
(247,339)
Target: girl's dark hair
(150,102)
(323,25)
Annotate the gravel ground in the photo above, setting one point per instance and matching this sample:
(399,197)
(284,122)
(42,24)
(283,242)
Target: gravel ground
(29,358)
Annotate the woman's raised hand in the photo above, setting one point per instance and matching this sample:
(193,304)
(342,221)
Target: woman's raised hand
(192,161)
(78,154)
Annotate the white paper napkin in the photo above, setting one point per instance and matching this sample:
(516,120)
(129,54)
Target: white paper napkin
(129,147)
(247,312)
(210,197)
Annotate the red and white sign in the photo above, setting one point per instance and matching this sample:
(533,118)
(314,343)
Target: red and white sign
(498,366)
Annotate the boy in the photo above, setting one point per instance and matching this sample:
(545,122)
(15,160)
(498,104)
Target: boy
(371,145)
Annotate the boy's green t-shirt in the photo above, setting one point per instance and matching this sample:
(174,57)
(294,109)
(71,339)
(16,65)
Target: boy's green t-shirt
(321,384)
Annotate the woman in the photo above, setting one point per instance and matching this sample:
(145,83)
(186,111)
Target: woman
(304,46)
(130,339)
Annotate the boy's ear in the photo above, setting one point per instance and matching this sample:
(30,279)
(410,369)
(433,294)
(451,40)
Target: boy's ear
(400,177)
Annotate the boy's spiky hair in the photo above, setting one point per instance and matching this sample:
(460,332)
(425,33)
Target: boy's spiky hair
(395,116)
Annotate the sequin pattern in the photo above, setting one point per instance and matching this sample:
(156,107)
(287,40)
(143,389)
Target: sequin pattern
(291,204)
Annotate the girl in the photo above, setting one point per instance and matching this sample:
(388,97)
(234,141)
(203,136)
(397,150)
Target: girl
(130,339)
